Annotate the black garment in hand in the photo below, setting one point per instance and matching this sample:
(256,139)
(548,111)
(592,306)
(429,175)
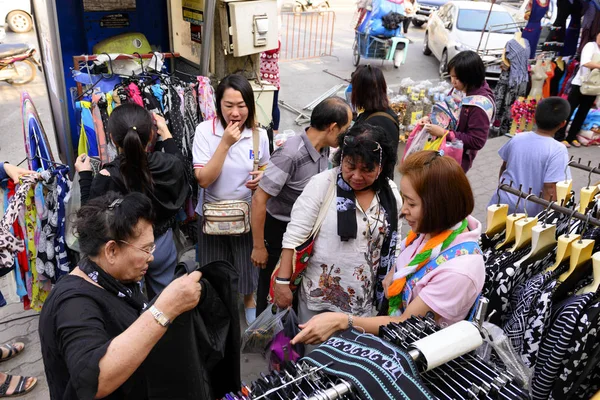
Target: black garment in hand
(204,341)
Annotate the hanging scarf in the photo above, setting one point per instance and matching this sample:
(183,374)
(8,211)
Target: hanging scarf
(347,227)
(431,250)
(130,292)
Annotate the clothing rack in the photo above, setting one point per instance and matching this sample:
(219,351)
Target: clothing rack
(551,205)
(85,58)
(588,167)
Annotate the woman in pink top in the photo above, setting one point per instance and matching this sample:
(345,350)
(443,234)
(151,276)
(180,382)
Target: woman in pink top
(440,268)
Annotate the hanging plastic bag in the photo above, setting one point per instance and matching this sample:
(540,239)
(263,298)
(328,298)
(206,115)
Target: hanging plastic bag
(281,350)
(416,141)
(454,149)
(260,333)
(435,144)
(496,344)
(73,205)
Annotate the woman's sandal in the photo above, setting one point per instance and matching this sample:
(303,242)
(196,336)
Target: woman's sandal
(13,351)
(20,389)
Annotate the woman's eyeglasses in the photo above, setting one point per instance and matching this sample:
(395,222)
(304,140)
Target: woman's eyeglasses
(149,252)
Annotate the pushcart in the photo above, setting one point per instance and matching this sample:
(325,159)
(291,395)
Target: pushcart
(385,49)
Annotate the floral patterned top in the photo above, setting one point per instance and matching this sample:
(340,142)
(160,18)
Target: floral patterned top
(341,276)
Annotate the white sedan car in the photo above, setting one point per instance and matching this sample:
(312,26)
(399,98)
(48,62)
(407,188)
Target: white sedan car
(457,26)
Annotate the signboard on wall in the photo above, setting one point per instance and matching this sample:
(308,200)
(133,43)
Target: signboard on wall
(115,21)
(193,11)
(108,5)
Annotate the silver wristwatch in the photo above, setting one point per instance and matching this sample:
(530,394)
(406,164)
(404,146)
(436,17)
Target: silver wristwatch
(159,317)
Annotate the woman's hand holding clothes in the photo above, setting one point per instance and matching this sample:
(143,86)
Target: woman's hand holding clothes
(83,163)
(15,173)
(320,328)
(232,134)
(180,296)
(161,125)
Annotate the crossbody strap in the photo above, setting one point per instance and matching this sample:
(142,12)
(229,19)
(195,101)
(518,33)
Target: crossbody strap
(255,143)
(382,114)
(325,205)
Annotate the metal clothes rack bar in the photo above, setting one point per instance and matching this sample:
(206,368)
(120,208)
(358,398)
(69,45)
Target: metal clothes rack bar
(588,168)
(554,206)
(93,57)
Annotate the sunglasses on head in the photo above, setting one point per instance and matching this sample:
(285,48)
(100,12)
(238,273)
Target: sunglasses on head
(353,141)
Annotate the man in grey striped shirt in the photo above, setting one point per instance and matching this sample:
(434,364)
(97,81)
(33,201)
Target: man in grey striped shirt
(289,170)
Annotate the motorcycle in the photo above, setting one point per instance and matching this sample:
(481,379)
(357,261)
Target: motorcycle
(17,63)
(309,5)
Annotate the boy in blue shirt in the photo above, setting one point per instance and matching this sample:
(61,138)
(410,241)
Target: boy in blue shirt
(534,159)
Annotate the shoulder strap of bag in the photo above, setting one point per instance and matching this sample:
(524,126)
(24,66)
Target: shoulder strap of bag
(382,114)
(325,205)
(255,145)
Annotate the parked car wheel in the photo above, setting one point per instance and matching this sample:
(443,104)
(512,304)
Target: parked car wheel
(444,63)
(426,49)
(418,24)
(19,21)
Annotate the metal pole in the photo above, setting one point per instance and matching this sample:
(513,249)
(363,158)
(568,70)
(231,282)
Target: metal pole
(485,25)
(545,203)
(208,27)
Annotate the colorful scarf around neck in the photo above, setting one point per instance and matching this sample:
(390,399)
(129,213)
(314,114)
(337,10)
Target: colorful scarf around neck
(431,250)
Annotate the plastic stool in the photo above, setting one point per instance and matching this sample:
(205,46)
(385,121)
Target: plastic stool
(395,41)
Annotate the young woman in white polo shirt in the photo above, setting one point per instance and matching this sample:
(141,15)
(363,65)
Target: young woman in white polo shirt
(223,166)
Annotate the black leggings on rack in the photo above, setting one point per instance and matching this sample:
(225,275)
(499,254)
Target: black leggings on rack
(583,104)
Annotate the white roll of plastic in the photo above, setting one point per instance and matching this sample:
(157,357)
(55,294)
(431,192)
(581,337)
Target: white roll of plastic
(448,344)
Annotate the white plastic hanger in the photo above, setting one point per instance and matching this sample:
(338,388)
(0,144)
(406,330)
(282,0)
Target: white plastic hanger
(510,226)
(496,215)
(587,193)
(543,237)
(593,287)
(563,250)
(563,189)
(523,229)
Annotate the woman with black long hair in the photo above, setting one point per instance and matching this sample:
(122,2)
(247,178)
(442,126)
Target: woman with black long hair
(467,74)
(159,175)
(370,99)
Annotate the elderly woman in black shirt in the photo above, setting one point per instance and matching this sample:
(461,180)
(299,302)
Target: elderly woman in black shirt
(95,328)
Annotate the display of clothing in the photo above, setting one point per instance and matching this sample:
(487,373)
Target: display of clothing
(538,78)
(512,83)
(533,29)
(34,242)
(559,71)
(549,327)
(566,9)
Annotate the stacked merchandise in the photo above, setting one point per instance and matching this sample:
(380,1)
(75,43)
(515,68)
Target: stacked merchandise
(414,100)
